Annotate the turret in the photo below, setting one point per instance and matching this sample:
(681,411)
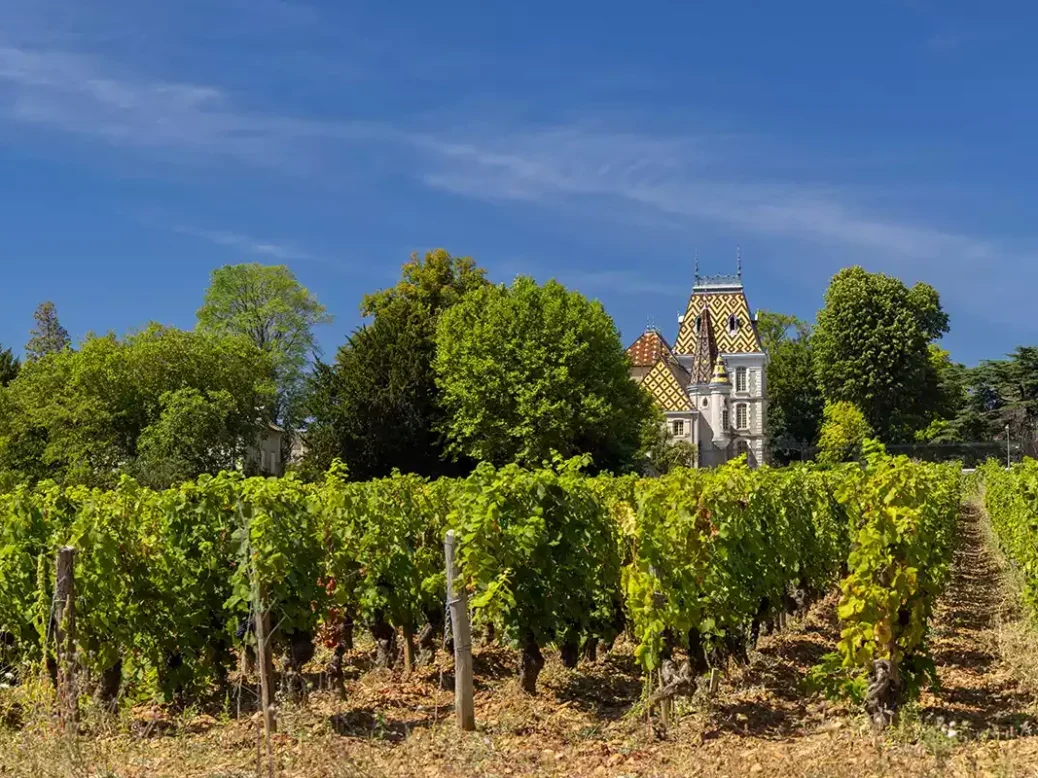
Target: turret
(720,389)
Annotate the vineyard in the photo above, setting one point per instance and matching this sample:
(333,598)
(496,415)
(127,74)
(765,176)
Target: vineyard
(691,566)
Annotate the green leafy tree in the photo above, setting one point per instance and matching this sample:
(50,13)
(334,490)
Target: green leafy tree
(998,393)
(528,370)
(48,336)
(162,404)
(9,366)
(196,432)
(268,305)
(794,401)
(871,348)
(432,284)
(844,430)
(377,406)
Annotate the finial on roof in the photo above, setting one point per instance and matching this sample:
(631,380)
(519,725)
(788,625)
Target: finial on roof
(738,260)
(720,373)
(697,265)
(650,324)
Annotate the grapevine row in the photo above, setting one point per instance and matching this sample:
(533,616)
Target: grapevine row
(1011,500)
(694,562)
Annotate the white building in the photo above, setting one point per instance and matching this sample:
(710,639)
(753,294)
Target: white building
(711,386)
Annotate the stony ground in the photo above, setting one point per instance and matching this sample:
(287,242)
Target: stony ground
(762,721)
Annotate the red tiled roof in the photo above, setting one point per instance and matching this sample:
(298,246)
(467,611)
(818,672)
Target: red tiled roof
(648,349)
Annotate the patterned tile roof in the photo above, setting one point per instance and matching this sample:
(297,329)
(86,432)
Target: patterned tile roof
(649,349)
(740,339)
(667,382)
(706,347)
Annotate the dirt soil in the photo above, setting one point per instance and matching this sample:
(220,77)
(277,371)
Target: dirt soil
(761,722)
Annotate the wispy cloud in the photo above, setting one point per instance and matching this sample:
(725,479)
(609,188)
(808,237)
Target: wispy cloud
(681,177)
(76,94)
(246,243)
(635,177)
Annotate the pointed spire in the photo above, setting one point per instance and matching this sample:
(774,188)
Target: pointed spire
(705,348)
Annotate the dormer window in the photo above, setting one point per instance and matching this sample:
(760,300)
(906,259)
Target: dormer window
(733,324)
(699,323)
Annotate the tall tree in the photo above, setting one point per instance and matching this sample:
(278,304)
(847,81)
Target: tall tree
(432,284)
(377,406)
(48,336)
(528,370)
(9,366)
(1000,393)
(268,305)
(871,347)
(794,401)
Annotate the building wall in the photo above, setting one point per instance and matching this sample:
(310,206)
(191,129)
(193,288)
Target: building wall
(265,454)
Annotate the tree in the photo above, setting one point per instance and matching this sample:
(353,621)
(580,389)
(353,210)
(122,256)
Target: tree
(527,371)
(871,348)
(9,366)
(48,336)
(664,453)
(794,401)
(998,393)
(377,406)
(844,429)
(269,306)
(161,404)
(431,284)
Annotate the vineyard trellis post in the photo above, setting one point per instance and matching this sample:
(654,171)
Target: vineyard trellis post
(459,611)
(65,636)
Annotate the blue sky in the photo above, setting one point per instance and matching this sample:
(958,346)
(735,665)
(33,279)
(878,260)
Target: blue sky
(605,144)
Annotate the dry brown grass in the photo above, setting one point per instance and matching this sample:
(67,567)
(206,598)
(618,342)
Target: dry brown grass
(762,722)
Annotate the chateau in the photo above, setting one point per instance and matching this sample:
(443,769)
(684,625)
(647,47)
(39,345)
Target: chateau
(711,384)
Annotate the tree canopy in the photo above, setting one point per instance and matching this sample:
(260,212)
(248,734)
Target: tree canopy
(9,366)
(794,401)
(527,371)
(377,407)
(48,336)
(432,283)
(267,305)
(162,404)
(844,429)
(871,347)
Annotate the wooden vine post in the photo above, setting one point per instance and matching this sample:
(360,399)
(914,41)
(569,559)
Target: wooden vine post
(264,660)
(65,637)
(459,610)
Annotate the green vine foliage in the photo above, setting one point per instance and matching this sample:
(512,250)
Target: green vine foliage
(166,579)
(535,548)
(1011,500)
(712,550)
(903,516)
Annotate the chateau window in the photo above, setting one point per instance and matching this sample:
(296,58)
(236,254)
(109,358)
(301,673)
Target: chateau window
(678,427)
(733,324)
(726,421)
(740,379)
(742,416)
(699,323)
